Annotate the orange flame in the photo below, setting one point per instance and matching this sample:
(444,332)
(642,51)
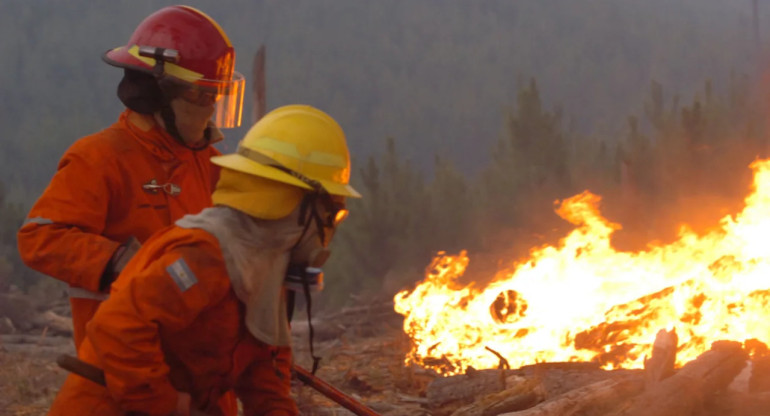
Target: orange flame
(581,300)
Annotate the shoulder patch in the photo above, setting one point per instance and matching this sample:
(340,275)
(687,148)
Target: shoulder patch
(182,275)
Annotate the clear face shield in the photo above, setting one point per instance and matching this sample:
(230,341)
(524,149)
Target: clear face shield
(226,96)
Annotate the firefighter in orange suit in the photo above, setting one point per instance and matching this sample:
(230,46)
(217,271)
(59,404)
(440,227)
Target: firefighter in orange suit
(202,307)
(115,188)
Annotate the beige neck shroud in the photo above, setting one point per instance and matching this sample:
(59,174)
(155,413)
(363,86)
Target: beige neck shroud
(256,254)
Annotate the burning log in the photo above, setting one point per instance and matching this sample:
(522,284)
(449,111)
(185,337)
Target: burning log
(579,400)
(684,392)
(760,366)
(465,387)
(491,392)
(561,377)
(523,394)
(661,364)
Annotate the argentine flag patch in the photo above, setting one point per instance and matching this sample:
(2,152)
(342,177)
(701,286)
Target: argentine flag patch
(182,275)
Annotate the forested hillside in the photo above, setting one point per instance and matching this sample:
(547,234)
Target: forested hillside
(465,119)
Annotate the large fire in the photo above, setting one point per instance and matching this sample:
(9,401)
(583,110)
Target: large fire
(582,300)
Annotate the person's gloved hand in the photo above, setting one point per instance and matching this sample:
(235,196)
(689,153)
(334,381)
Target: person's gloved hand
(123,254)
(118,261)
(182,405)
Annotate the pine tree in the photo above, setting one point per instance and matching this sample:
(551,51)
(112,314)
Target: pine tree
(389,228)
(530,167)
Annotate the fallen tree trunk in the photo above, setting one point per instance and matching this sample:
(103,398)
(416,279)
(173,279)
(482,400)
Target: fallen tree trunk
(684,392)
(54,323)
(734,403)
(599,394)
(522,393)
(661,364)
(560,378)
(464,388)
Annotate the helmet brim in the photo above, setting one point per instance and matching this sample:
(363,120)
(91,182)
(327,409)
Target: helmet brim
(245,165)
(340,189)
(120,58)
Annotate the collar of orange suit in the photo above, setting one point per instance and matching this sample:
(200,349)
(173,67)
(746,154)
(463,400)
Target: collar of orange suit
(155,138)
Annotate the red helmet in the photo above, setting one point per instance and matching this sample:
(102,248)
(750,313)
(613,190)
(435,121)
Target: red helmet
(185,44)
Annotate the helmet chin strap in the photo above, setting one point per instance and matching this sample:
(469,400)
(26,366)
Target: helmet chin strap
(169,120)
(169,91)
(308,214)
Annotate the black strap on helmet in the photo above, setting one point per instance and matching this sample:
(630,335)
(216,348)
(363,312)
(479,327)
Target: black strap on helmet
(161,56)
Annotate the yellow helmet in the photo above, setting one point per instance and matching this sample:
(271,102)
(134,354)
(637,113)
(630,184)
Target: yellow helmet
(296,145)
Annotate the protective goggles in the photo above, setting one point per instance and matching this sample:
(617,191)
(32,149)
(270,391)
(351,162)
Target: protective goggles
(334,211)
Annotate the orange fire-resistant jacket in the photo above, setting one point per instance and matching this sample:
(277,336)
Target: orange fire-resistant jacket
(96,201)
(173,323)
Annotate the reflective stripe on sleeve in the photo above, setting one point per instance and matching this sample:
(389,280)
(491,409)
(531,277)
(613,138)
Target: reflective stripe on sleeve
(38,221)
(80,293)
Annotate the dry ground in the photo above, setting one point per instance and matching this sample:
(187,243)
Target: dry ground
(362,356)
(29,379)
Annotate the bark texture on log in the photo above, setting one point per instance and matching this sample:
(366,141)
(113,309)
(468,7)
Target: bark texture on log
(55,324)
(522,393)
(661,364)
(577,401)
(684,392)
(560,378)
(734,403)
(760,375)
(465,387)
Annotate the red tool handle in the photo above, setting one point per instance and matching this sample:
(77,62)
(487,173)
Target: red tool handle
(90,372)
(329,391)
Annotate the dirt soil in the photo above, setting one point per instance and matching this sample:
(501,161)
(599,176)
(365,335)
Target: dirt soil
(29,377)
(362,356)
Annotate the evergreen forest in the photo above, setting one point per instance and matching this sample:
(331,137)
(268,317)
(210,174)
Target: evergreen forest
(466,120)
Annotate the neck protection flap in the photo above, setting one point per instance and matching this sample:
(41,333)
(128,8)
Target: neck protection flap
(256,254)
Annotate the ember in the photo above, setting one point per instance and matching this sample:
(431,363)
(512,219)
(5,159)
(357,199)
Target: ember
(582,300)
